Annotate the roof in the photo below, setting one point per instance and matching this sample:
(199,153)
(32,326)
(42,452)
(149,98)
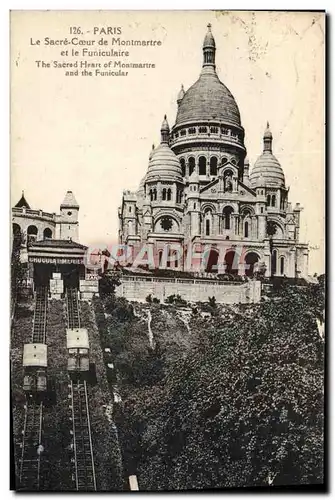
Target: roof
(22,202)
(35,355)
(164,163)
(77,338)
(69,201)
(57,243)
(208,98)
(267,172)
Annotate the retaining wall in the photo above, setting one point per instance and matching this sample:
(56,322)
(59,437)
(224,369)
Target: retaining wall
(191,290)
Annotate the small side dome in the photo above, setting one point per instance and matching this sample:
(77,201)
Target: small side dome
(267,171)
(163,162)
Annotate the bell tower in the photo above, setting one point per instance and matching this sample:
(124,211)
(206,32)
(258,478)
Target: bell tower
(68,220)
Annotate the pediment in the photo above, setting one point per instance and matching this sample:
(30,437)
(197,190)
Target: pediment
(211,188)
(243,189)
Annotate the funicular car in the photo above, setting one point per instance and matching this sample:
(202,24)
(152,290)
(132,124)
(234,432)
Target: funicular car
(78,350)
(35,367)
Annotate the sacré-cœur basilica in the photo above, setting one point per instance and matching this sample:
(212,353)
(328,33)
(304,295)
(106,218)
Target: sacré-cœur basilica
(200,196)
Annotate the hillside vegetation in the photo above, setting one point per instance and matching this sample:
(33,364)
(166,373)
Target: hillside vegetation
(220,396)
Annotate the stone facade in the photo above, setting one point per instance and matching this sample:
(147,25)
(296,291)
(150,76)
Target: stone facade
(199,192)
(37,225)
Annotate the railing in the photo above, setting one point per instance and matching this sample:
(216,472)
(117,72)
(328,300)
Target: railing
(34,213)
(201,281)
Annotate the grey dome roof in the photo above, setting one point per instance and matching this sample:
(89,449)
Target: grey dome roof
(208,99)
(267,172)
(164,164)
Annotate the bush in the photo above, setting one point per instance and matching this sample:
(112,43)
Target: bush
(176,300)
(212,301)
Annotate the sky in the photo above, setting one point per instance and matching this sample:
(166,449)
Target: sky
(93,135)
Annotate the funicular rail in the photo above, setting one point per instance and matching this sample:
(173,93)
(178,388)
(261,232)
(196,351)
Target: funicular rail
(40,315)
(30,463)
(81,427)
(31,446)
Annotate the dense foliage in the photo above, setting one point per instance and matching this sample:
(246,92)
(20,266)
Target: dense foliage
(240,405)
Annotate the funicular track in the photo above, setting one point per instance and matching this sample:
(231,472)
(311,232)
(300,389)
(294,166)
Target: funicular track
(31,446)
(81,427)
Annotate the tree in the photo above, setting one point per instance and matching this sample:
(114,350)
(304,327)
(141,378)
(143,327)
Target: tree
(107,283)
(244,406)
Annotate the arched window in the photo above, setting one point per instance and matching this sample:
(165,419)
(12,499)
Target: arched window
(168,194)
(183,166)
(282,265)
(155,194)
(191,165)
(213,165)
(202,165)
(208,222)
(227,211)
(224,161)
(160,256)
(164,194)
(47,233)
(32,233)
(273,200)
(246,229)
(268,200)
(274,262)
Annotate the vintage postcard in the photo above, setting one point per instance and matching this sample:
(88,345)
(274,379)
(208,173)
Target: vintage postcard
(167,250)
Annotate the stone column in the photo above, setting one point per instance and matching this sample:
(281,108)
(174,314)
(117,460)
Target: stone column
(174,193)
(159,191)
(253,227)
(236,223)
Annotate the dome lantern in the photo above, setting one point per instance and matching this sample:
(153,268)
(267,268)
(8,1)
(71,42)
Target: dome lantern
(267,139)
(209,48)
(165,131)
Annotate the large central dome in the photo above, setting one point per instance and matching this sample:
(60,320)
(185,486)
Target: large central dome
(208,98)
